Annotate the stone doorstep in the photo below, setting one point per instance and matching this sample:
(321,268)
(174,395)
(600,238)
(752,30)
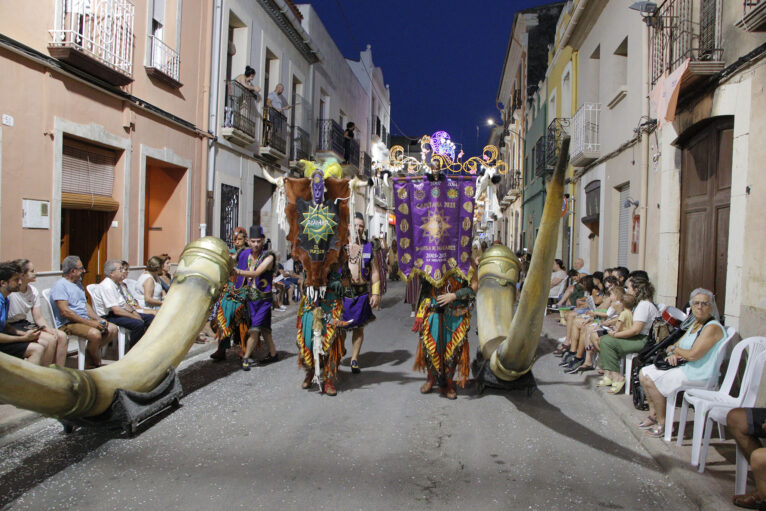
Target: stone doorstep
(711,490)
(13,419)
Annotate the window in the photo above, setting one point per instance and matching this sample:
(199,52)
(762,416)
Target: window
(592,92)
(158,19)
(623,243)
(620,76)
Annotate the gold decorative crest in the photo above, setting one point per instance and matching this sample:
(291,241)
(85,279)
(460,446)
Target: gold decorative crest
(406,258)
(452,193)
(469,191)
(418,262)
(404,243)
(468,206)
(404,226)
(438,274)
(464,240)
(441,163)
(402,193)
(403,209)
(428,269)
(452,263)
(464,256)
(466,223)
(435,226)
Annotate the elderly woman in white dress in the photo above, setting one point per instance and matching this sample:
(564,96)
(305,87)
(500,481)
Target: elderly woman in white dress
(694,356)
(149,290)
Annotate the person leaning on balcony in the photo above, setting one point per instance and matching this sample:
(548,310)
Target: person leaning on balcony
(246,80)
(348,137)
(75,316)
(278,101)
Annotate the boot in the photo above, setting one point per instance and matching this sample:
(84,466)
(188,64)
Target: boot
(448,390)
(429,384)
(307,380)
(329,388)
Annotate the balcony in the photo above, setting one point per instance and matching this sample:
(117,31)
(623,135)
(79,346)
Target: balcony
(274,135)
(509,188)
(366,168)
(754,17)
(240,114)
(557,130)
(585,141)
(332,144)
(301,144)
(96,37)
(687,29)
(165,62)
(540,166)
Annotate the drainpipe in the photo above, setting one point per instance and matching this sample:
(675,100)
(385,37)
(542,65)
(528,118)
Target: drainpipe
(581,5)
(215,71)
(644,206)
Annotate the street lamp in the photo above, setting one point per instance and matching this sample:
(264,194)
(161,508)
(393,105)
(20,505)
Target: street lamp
(649,11)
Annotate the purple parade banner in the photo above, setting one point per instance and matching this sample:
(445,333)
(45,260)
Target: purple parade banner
(434,224)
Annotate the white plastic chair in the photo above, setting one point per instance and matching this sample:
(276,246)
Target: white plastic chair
(82,343)
(704,400)
(709,384)
(94,290)
(748,393)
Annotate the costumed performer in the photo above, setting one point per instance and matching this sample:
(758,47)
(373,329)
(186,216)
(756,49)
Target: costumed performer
(230,315)
(443,320)
(258,278)
(361,279)
(322,320)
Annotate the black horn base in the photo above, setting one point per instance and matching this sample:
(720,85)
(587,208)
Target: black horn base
(130,408)
(486,379)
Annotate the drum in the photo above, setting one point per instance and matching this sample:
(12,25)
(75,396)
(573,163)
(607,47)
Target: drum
(673,317)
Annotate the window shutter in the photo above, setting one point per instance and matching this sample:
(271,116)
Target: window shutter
(87,169)
(158,11)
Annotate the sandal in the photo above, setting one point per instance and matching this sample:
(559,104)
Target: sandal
(647,423)
(617,387)
(656,431)
(748,500)
(583,368)
(561,350)
(604,382)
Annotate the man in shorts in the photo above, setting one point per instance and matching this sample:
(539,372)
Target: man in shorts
(747,426)
(17,343)
(75,316)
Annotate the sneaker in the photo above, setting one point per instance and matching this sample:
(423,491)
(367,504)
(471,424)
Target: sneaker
(282,308)
(268,359)
(412,314)
(246,363)
(574,366)
(566,358)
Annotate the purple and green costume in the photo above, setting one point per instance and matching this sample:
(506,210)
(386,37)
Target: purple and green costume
(356,301)
(259,292)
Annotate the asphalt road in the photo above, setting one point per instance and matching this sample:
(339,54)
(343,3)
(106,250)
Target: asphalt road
(255,440)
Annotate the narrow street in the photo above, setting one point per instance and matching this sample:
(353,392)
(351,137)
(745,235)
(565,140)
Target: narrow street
(255,440)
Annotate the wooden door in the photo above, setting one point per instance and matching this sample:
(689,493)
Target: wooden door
(705,204)
(83,233)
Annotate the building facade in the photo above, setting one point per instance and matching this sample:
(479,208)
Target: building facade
(103,135)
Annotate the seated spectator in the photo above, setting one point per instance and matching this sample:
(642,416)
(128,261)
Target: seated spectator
(279,291)
(13,342)
(165,276)
(116,308)
(622,274)
(149,288)
(558,280)
(695,355)
(25,313)
(573,291)
(129,298)
(747,425)
(630,340)
(75,316)
(614,321)
(292,277)
(579,265)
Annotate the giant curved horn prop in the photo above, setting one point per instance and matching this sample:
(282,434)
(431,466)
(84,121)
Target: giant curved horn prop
(516,354)
(68,393)
(271,179)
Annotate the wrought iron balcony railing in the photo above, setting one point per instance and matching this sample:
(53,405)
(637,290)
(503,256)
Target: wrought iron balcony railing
(540,148)
(687,29)
(366,168)
(301,144)
(754,16)
(275,130)
(330,137)
(557,130)
(99,29)
(241,110)
(585,136)
(165,59)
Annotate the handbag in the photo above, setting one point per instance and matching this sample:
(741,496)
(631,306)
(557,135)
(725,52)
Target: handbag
(661,361)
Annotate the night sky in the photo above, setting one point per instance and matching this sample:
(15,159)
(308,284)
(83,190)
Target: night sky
(442,59)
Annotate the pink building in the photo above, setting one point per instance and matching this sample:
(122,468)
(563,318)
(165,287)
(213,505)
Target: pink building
(103,140)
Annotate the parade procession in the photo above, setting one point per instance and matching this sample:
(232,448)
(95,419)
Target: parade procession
(268,254)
